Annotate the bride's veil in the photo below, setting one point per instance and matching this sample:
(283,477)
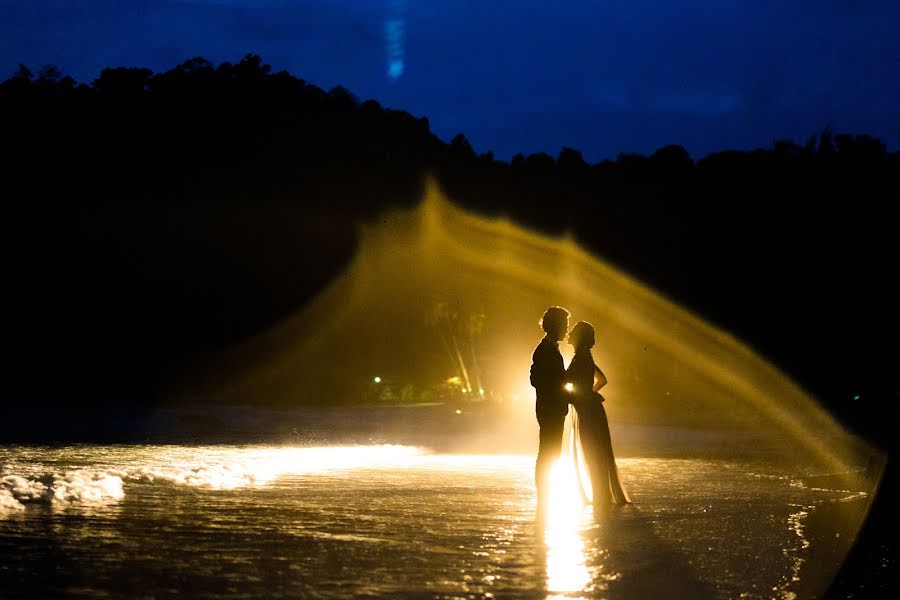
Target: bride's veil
(575,450)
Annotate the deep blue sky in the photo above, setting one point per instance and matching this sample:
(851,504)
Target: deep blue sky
(604,76)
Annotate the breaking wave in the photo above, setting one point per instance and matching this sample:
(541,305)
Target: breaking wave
(82,485)
(219,468)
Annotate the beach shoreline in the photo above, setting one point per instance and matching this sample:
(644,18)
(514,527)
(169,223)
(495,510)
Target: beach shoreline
(830,529)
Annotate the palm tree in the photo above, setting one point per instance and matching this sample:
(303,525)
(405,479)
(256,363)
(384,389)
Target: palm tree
(474,329)
(444,319)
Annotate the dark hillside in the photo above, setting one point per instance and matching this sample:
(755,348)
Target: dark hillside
(149,217)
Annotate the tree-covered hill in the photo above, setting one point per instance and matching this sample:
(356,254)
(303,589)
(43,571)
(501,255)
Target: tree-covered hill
(150,217)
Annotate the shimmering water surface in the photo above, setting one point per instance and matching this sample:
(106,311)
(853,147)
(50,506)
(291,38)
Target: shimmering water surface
(395,521)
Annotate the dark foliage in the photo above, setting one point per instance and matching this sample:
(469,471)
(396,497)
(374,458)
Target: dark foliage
(149,217)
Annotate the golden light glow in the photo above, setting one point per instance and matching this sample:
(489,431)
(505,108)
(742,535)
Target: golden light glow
(666,366)
(569,387)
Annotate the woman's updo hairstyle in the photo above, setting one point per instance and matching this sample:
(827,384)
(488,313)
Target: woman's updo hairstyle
(582,335)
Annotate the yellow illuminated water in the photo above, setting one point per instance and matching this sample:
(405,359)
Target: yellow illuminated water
(567,571)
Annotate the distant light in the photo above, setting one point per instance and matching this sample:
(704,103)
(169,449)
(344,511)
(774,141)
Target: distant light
(454,380)
(569,387)
(465,391)
(459,412)
(395,41)
(856,397)
(395,69)
(481,391)
(377,379)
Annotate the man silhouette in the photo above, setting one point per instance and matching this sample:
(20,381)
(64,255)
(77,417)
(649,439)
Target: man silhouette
(551,406)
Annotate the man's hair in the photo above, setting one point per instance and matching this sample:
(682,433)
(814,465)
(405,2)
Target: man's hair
(554,318)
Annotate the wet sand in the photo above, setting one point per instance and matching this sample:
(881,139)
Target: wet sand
(832,529)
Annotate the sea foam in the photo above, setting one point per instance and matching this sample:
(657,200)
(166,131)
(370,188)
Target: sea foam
(82,485)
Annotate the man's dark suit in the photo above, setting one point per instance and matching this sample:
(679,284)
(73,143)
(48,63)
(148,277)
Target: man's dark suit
(551,407)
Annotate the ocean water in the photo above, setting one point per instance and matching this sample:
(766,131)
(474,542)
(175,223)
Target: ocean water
(251,521)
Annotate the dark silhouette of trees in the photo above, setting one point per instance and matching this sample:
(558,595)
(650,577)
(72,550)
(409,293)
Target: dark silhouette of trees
(149,217)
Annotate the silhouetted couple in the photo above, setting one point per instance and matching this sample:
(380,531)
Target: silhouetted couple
(556,387)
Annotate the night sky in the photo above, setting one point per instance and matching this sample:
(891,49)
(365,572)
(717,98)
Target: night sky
(524,76)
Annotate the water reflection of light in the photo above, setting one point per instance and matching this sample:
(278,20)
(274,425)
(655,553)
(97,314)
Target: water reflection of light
(271,463)
(567,570)
(229,467)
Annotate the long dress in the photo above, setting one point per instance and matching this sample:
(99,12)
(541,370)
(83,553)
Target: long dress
(591,429)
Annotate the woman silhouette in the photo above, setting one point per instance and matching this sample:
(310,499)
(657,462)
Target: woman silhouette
(583,380)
